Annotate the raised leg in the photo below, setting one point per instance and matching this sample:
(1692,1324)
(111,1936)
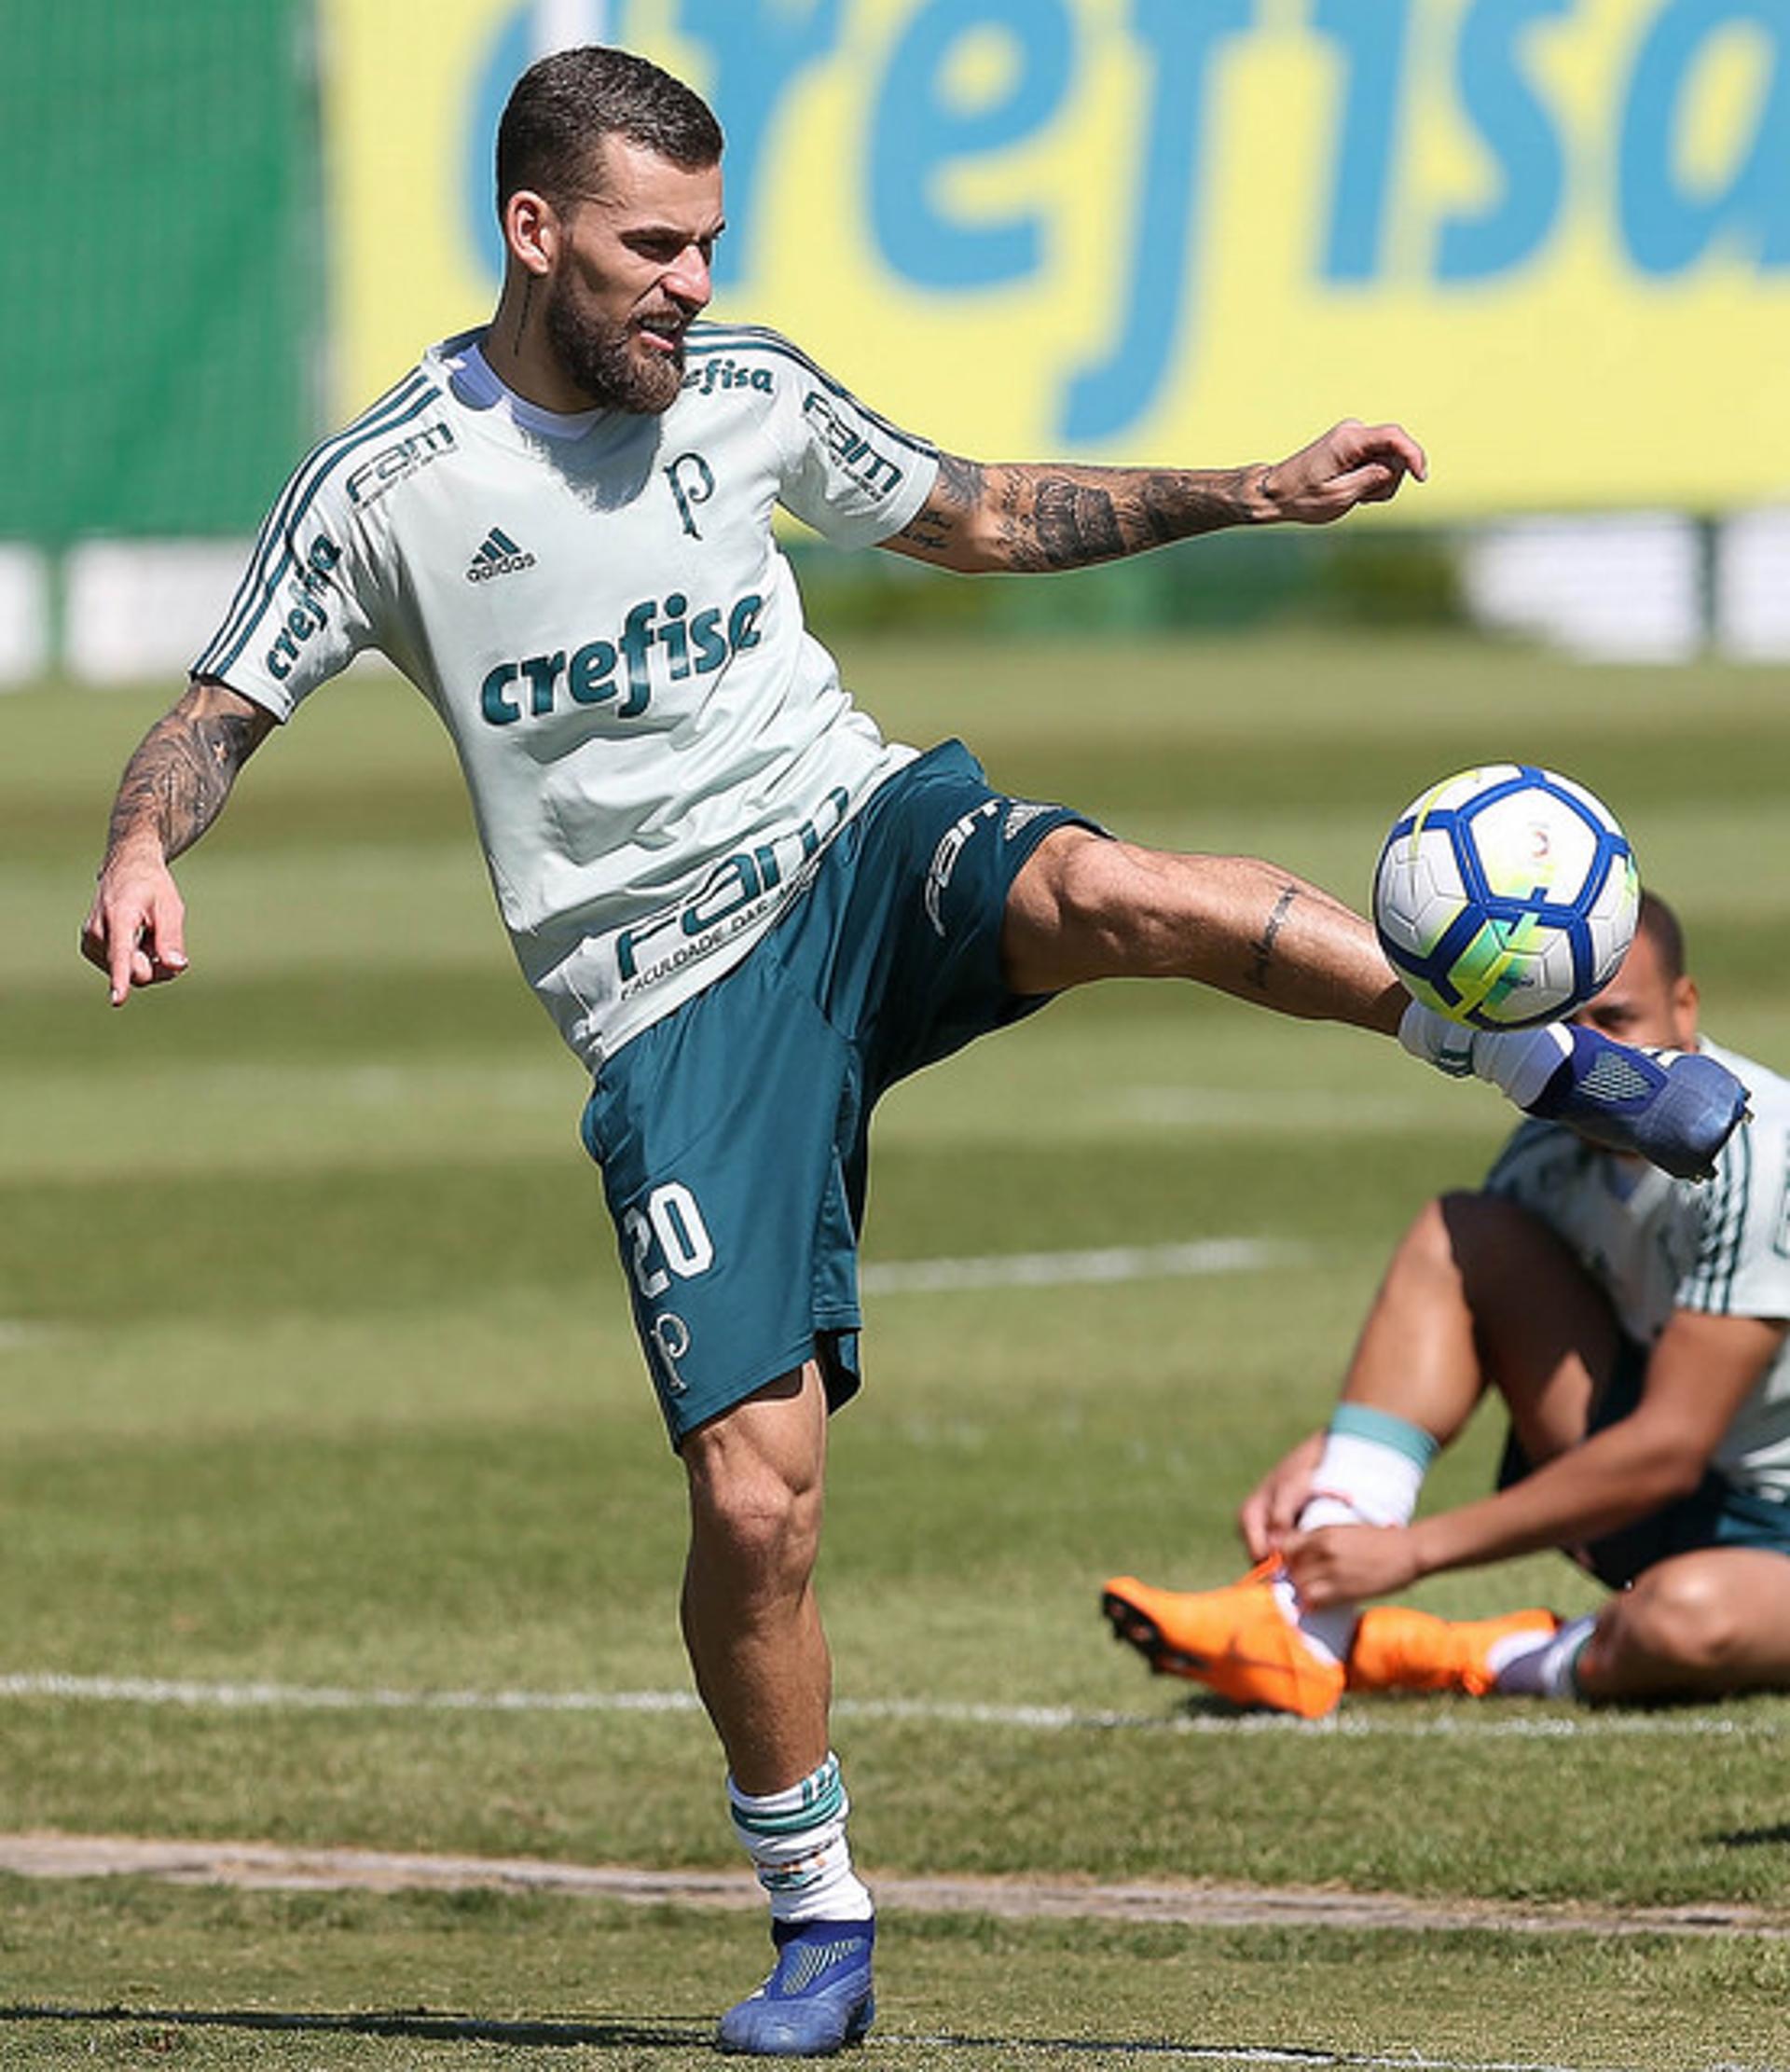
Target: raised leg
(1086,908)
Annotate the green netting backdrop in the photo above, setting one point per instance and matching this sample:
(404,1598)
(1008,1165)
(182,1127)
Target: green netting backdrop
(160,266)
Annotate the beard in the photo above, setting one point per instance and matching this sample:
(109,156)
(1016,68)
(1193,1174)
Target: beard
(602,358)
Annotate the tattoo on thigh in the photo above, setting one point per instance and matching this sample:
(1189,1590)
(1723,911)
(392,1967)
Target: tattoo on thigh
(1264,948)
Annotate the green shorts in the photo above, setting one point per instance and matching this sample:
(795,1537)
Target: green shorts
(732,1134)
(1716,1513)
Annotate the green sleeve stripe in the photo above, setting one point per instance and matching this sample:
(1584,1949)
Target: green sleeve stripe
(265,573)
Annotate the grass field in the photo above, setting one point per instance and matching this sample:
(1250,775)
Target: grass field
(315,1374)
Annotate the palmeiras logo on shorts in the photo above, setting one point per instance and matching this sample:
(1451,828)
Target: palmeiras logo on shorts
(499,555)
(671,1336)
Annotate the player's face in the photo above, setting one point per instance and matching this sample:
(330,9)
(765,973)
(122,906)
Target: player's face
(1641,1005)
(630,273)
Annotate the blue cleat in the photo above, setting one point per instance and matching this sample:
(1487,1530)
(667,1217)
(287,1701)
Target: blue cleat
(818,1999)
(1675,1108)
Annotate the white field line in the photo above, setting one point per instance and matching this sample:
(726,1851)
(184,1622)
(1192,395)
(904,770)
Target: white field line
(1064,1269)
(1108,1266)
(1221,2054)
(1421,1725)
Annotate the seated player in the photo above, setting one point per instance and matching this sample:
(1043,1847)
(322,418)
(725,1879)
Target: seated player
(1635,1327)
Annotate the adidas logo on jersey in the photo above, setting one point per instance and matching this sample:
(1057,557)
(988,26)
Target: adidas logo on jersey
(499,555)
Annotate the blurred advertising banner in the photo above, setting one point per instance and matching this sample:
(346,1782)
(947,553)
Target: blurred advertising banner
(1551,236)
(159,263)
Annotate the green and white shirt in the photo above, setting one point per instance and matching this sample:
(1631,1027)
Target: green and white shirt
(597,607)
(1655,1244)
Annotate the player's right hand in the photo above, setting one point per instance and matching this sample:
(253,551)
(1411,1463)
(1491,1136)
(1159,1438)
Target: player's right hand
(1271,1510)
(135,930)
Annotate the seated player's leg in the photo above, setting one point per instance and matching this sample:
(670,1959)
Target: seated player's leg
(1709,1623)
(1547,1336)
(1478,1291)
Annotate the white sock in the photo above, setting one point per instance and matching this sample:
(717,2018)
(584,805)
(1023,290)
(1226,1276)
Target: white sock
(1528,1665)
(1370,1473)
(1518,1062)
(796,1840)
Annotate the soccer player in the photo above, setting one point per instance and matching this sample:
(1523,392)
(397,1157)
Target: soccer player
(1635,1327)
(747,914)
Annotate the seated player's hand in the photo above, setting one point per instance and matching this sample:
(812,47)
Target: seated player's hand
(1271,1510)
(1352,463)
(1343,1563)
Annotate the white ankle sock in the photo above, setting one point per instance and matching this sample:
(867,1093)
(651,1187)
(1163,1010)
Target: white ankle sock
(1518,1062)
(796,1840)
(1370,1473)
(1528,1665)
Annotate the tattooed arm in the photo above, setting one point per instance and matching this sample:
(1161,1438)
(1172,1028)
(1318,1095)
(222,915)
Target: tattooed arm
(173,789)
(1027,517)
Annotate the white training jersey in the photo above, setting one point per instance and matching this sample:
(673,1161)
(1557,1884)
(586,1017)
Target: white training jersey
(597,607)
(1655,1244)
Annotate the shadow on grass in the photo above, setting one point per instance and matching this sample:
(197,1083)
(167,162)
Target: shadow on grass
(614,2035)
(1754,1838)
(672,2035)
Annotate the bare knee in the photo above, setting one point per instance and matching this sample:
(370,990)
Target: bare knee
(1447,1242)
(1082,907)
(1678,1616)
(755,1509)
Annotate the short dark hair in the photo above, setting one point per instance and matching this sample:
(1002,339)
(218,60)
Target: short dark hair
(564,105)
(1660,925)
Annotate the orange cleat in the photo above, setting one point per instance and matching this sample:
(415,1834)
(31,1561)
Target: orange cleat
(1237,1641)
(1397,1649)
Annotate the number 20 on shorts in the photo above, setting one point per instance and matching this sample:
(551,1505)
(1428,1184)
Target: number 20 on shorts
(668,1237)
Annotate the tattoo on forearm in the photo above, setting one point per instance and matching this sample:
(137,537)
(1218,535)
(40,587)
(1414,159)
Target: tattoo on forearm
(1070,523)
(1026,517)
(1263,948)
(180,776)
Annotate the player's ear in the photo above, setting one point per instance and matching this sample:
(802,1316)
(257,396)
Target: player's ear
(1684,1003)
(532,231)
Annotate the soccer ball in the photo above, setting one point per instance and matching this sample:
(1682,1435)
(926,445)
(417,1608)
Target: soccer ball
(1506,896)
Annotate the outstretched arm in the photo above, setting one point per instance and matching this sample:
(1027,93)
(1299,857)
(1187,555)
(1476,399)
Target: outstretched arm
(1698,1373)
(173,789)
(1027,517)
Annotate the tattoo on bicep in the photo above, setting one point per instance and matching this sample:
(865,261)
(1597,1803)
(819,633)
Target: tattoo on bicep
(1263,948)
(956,491)
(181,775)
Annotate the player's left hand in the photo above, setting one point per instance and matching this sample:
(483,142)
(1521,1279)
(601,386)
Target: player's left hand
(1352,463)
(1343,1564)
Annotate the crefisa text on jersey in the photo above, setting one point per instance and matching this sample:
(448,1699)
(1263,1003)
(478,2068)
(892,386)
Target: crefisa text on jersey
(305,615)
(692,646)
(727,374)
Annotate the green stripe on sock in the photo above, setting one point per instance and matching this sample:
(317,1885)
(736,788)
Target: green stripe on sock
(1355,1420)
